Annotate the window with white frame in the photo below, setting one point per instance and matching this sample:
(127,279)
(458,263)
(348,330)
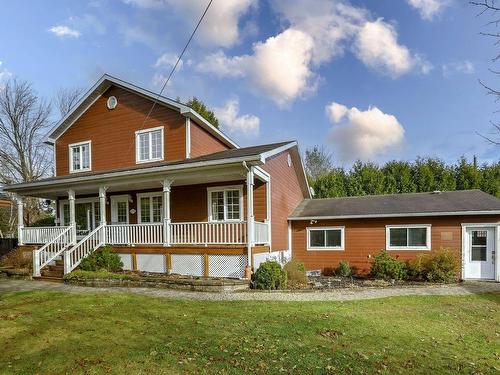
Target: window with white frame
(80,157)
(325,238)
(225,204)
(150,207)
(408,237)
(149,145)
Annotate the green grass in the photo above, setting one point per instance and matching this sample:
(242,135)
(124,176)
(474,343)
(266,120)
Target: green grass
(55,333)
(103,275)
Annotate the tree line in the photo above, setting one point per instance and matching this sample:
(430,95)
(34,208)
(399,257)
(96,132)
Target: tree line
(425,174)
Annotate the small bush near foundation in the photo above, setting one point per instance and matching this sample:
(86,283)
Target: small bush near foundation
(296,274)
(270,276)
(344,269)
(438,266)
(103,259)
(17,259)
(388,268)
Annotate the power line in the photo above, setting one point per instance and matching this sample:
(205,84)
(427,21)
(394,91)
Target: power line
(176,63)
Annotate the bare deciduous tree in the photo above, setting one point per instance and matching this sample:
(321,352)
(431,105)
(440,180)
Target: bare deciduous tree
(66,98)
(490,7)
(24,120)
(318,161)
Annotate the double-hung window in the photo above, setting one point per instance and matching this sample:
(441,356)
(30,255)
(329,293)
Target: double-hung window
(149,145)
(225,204)
(408,237)
(80,157)
(325,238)
(150,207)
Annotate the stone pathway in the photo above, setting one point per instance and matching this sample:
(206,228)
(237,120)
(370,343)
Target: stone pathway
(7,285)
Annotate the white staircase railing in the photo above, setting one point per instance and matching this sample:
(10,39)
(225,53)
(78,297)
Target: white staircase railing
(38,235)
(48,252)
(83,249)
(207,233)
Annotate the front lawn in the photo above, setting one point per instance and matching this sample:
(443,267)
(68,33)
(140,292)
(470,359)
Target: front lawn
(56,333)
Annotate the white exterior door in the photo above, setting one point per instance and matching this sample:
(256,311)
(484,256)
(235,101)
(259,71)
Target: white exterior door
(479,253)
(119,209)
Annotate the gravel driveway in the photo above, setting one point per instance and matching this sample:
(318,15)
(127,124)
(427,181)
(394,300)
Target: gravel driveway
(331,295)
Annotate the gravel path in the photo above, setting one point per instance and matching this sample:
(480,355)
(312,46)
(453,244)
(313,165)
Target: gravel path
(332,295)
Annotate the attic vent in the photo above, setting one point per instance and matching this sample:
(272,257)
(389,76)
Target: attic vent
(112,102)
(289,160)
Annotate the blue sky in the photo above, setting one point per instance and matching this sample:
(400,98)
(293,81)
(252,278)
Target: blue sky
(374,80)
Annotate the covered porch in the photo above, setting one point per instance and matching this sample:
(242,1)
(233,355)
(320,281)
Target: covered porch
(213,211)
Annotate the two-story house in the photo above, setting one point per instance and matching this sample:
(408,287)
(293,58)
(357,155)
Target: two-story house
(169,191)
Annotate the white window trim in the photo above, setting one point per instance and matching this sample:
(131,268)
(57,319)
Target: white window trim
(405,226)
(326,248)
(137,153)
(210,190)
(148,195)
(71,169)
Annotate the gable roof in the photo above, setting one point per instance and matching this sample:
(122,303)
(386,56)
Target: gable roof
(104,83)
(464,202)
(254,154)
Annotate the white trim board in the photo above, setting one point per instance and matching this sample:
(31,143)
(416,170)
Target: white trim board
(428,240)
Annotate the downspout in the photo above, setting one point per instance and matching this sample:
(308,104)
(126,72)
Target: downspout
(250,219)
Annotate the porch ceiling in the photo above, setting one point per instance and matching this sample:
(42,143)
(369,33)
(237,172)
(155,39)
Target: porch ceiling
(127,183)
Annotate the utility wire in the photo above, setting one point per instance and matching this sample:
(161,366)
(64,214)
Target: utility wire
(176,63)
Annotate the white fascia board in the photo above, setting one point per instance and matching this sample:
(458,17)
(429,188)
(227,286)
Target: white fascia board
(415,214)
(277,150)
(262,174)
(135,172)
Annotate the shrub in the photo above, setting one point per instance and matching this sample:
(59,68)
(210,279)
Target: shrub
(438,266)
(48,221)
(388,268)
(344,269)
(296,274)
(103,259)
(17,259)
(270,276)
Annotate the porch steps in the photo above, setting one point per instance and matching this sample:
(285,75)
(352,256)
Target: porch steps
(52,272)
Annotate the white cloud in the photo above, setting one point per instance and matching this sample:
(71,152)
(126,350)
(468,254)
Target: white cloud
(220,26)
(168,60)
(64,31)
(278,67)
(459,67)
(4,76)
(429,8)
(377,47)
(228,115)
(363,135)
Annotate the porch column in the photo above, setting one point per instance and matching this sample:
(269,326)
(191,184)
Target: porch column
(20,219)
(250,216)
(102,210)
(72,219)
(166,212)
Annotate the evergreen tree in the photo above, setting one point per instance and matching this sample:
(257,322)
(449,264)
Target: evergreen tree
(203,110)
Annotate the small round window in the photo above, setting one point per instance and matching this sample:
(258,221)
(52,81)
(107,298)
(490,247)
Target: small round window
(112,102)
(289,159)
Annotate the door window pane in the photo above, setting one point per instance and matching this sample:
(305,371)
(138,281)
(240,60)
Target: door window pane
(478,245)
(233,204)
(417,237)
(145,210)
(398,237)
(66,214)
(121,212)
(97,214)
(157,208)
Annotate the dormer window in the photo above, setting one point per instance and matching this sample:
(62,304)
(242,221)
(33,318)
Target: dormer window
(80,157)
(149,145)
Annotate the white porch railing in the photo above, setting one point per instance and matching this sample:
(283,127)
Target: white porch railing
(261,232)
(40,235)
(51,250)
(134,234)
(84,248)
(208,233)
